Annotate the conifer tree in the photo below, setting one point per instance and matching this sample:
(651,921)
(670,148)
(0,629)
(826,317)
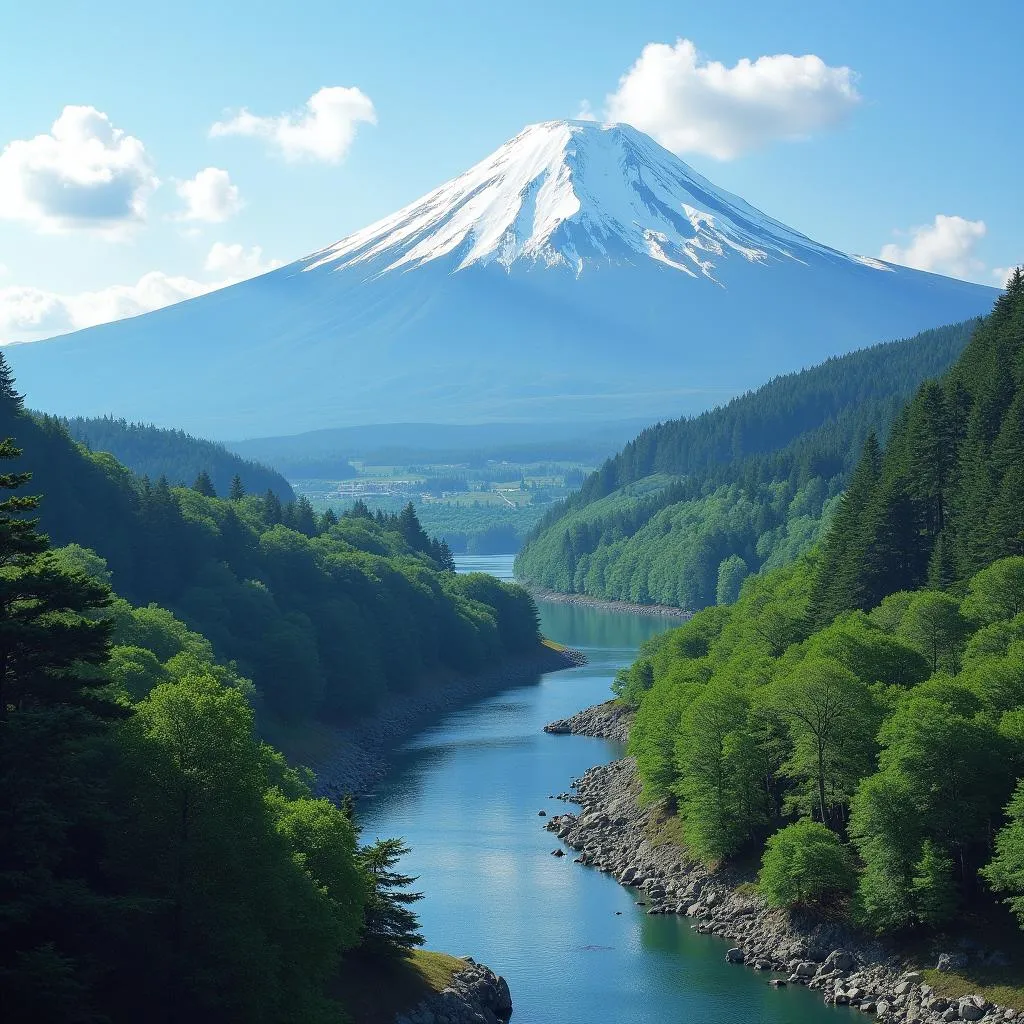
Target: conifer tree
(389,920)
(237,491)
(272,511)
(327,520)
(204,485)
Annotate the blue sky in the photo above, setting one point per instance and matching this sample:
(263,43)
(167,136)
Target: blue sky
(908,112)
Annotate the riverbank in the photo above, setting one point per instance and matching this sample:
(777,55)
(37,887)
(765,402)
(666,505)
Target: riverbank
(351,759)
(556,597)
(608,721)
(615,834)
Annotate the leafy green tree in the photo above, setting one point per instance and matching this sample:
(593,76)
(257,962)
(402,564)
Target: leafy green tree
(803,863)
(934,626)
(722,802)
(1005,872)
(832,718)
(997,592)
(933,886)
(886,827)
(390,922)
(731,573)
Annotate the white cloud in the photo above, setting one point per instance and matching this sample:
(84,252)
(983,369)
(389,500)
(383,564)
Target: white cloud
(586,112)
(692,105)
(236,263)
(28,313)
(946,246)
(84,174)
(210,196)
(1002,275)
(323,130)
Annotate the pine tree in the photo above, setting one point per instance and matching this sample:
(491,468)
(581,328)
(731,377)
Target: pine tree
(389,920)
(303,517)
(237,491)
(327,520)
(411,530)
(272,511)
(839,583)
(204,485)
(8,391)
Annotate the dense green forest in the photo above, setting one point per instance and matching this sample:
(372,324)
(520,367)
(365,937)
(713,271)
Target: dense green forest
(155,452)
(858,716)
(326,614)
(690,508)
(159,862)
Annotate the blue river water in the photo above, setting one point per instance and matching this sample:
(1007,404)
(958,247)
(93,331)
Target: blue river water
(571,942)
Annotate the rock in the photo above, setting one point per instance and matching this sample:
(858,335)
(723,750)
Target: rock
(542,814)
(839,960)
(735,955)
(777,983)
(950,962)
(806,969)
(953,1013)
(558,853)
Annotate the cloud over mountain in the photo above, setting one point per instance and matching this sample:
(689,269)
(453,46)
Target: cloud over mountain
(83,174)
(323,130)
(693,105)
(210,196)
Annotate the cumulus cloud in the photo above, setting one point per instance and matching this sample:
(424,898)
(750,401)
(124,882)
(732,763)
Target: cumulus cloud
(1002,275)
(322,130)
(28,313)
(946,246)
(84,174)
(210,196)
(693,105)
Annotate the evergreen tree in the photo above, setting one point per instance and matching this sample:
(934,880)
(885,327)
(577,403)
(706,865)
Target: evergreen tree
(389,920)
(237,491)
(303,517)
(9,394)
(52,770)
(272,511)
(327,520)
(204,485)
(411,530)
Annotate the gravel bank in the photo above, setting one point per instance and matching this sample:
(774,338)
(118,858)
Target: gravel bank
(613,833)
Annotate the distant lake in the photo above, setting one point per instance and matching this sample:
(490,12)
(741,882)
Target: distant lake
(465,795)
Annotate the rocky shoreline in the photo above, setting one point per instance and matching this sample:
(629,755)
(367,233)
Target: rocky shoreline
(476,995)
(357,755)
(613,833)
(557,597)
(608,721)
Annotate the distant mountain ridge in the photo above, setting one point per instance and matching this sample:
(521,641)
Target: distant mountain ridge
(691,507)
(180,457)
(581,272)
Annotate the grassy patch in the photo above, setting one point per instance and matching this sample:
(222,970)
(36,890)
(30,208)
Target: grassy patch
(374,990)
(1002,985)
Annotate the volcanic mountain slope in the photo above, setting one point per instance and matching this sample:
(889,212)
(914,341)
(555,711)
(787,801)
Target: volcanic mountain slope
(579,272)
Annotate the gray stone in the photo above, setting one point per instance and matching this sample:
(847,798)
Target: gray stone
(735,955)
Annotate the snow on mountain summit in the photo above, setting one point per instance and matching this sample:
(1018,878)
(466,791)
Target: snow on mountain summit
(569,193)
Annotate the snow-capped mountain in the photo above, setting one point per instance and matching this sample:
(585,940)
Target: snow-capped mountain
(579,272)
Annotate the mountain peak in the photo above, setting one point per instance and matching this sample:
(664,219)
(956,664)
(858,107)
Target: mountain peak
(570,194)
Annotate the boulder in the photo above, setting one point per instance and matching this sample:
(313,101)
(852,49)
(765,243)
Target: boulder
(735,955)
(950,962)
(558,853)
(838,960)
(806,969)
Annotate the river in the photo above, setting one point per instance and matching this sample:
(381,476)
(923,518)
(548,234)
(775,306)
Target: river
(571,942)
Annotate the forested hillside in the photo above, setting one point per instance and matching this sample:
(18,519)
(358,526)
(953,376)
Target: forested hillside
(692,507)
(326,615)
(155,452)
(158,862)
(859,715)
